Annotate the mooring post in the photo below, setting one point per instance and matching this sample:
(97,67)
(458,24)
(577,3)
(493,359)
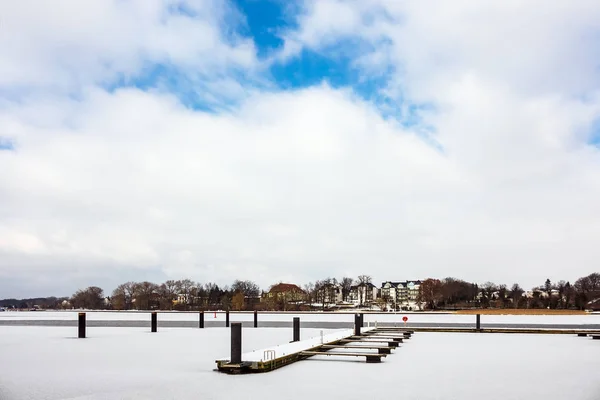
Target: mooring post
(362,320)
(356,324)
(255,319)
(236,343)
(296,329)
(81,325)
(478,323)
(227,319)
(201,320)
(154,322)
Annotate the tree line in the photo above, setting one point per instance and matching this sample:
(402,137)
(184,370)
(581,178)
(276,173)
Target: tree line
(453,293)
(434,294)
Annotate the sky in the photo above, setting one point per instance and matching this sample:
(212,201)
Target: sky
(292,141)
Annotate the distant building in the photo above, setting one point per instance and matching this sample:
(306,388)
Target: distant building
(287,292)
(401,294)
(363,294)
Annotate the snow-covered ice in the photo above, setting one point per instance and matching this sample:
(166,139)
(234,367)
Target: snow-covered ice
(311,317)
(48,363)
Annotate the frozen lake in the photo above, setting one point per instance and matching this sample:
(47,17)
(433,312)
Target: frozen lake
(309,320)
(48,363)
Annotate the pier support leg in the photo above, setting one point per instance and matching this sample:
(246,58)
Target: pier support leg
(373,359)
(478,323)
(255,319)
(236,343)
(201,320)
(362,320)
(356,324)
(81,325)
(296,329)
(154,322)
(227,319)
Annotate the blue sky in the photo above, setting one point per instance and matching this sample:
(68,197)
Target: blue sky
(274,140)
(266,23)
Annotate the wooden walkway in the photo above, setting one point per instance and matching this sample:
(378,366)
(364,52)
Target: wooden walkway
(332,345)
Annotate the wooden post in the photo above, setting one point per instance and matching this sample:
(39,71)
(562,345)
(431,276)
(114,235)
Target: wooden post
(296,329)
(582,334)
(478,323)
(236,343)
(255,319)
(154,322)
(362,320)
(81,326)
(201,320)
(356,324)
(227,319)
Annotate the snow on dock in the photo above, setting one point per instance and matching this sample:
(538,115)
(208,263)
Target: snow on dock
(286,349)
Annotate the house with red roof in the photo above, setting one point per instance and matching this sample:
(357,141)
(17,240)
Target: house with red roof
(287,292)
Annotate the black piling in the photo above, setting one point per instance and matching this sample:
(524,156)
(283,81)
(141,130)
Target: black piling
(201,320)
(255,319)
(81,325)
(478,323)
(154,322)
(582,334)
(236,343)
(296,329)
(227,319)
(356,324)
(362,320)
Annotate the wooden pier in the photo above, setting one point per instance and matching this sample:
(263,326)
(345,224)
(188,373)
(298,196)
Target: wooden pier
(377,343)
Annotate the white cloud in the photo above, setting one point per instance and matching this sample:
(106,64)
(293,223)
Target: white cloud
(299,185)
(68,44)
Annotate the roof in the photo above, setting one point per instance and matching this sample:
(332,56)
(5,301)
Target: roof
(401,283)
(285,287)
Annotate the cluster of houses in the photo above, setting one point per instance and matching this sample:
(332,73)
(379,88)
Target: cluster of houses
(399,295)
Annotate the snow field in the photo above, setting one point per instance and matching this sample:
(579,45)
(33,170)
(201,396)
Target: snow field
(48,363)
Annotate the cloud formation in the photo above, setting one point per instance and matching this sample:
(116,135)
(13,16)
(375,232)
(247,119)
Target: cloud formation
(109,178)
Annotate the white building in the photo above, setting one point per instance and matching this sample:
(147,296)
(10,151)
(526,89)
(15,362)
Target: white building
(401,294)
(363,294)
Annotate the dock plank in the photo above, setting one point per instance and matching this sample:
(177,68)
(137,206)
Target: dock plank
(331,353)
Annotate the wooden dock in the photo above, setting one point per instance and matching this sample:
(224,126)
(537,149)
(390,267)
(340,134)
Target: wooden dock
(334,344)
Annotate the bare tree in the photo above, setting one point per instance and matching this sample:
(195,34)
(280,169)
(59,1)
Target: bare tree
(487,292)
(186,287)
(364,281)
(346,284)
(516,293)
(145,295)
(587,288)
(167,293)
(430,293)
(248,288)
(122,296)
(91,298)
(309,288)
